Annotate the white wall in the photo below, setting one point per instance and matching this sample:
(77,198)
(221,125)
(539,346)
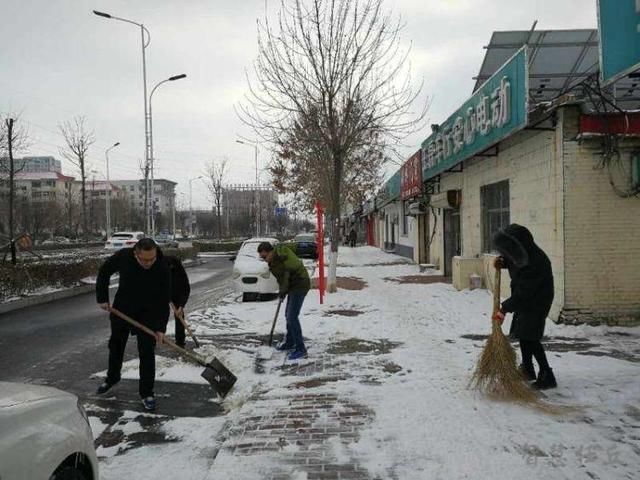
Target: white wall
(529,160)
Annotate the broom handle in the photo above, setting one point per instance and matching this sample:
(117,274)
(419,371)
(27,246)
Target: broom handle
(496,291)
(166,341)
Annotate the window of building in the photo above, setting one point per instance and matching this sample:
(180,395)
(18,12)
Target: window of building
(35,184)
(494,201)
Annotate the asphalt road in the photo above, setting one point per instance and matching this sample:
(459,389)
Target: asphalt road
(63,343)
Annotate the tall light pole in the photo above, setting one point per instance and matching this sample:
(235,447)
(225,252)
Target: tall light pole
(108,200)
(255,148)
(151,199)
(145,44)
(191,204)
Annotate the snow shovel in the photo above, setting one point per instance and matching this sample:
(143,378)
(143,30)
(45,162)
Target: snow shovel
(218,376)
(183,321)
(265,352)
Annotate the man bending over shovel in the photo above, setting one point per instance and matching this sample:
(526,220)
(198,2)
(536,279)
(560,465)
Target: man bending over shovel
(144,293)
(294,283)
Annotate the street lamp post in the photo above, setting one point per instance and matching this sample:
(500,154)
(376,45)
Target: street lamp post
(151,199)
(108,199)
(191,204)
(145,44)
(255,149)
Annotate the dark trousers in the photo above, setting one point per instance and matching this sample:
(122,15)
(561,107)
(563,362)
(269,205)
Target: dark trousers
(180,338)
(530,349)
(292,314)
(146,351)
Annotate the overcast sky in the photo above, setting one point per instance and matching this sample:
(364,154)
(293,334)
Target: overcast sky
(58,60)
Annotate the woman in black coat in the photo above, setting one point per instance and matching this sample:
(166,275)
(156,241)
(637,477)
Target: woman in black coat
(531,298)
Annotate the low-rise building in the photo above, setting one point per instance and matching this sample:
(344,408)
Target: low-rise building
(533,147)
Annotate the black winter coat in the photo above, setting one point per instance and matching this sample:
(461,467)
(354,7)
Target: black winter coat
(180,288)
(531,281)
(144,295)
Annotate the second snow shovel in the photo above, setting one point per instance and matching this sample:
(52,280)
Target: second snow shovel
(265,352)
(219,377)
(183,321)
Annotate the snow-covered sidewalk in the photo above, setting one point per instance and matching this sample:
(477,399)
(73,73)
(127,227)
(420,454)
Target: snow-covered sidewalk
(384,392)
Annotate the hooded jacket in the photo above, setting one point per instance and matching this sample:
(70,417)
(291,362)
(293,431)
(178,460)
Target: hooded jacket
(531,281)
(289,270)
(143,294)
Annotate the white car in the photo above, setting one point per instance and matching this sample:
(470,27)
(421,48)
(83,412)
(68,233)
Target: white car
(251,274)
(123,240)
(44,435)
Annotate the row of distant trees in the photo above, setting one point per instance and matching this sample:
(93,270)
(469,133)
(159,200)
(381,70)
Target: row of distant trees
(82,215)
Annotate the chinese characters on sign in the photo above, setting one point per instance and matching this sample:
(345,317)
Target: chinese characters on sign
(489,112)
(496,110)
(411,177)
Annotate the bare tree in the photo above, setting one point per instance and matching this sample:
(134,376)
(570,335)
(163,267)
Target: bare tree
(216,173)
(70,212)
(78,140)
(300,168)
(332,83)
(12,140)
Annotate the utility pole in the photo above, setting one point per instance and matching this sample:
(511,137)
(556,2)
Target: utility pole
(191,204)
(108,213)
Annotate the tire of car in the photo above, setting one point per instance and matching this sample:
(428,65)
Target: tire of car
(68,473)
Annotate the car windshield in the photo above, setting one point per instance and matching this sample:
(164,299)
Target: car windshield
(249,249)
(305,238)
(122,236)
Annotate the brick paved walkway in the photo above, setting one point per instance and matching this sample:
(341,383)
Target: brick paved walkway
(299,433)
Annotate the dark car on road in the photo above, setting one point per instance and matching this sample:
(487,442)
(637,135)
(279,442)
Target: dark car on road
(165,240)
(306,246)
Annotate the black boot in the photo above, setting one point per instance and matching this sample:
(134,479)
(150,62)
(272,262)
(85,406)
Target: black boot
(527,372)
(546,379)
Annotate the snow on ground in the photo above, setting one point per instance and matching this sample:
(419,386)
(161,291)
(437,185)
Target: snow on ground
(426,423)
(187,456)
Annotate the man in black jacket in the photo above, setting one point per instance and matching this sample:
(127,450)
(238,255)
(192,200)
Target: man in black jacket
(531,298)
(144,293)
(180,290)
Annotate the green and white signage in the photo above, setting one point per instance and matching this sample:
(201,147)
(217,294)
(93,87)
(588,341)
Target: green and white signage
(496,110)
(619,28)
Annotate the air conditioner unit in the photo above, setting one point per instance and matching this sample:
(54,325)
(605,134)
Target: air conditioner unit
(447,199)
(416,208)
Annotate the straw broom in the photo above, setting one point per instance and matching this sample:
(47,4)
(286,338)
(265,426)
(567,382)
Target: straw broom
(496,373)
